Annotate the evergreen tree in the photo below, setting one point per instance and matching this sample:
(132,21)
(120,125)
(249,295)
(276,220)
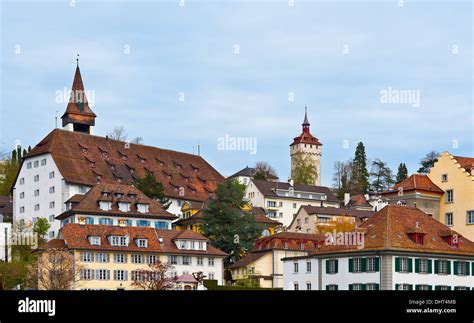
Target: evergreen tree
(153,189)
(427,162)
(381,176)
(41,228)
(402,173)
(360,175)
(229,228)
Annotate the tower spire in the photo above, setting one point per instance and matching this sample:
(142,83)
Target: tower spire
(305,121)
(78,116)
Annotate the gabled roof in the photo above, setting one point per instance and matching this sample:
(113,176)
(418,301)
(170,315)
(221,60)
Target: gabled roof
(248,259)
(416,182)
(250,172)
(75,236)
(89,202)
(86,159)
(268,189)
(358,200)
(389,229)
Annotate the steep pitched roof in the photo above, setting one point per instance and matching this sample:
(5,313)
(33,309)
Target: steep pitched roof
(250,172)
(86,159)
(337,211)
(306,137)
(466,162)
(268,189)
(389,229)
(416,182)
(78,109)
(358,200)
(75,236)
(248,259)
(89,203)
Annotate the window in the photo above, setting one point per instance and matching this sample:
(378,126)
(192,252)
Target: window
(295,267)
(36,163)
(22,209)
(142,243)
(102,257)
(271,204)
(357,265)
(448,219)
(82,189)
(161,225)
(120,275)
(199,261)
(444,178)
(186,260)
(308,266)
(403,264)
(28,165)
(211,276)
(37,207)
(43,162)
(286,245)
(306,220)
(371,286)
(173,260)
(461,268)
(308,286)
(51,175)
(294,205)
(442,267)
(87,274)
(51,205)
(95,241)
(331,287)
(461,288)
(89,220)
(51,218)
(331,266)
(201,245)
(449,196)
(106,221)
(143,223)
(22,181)
(442,287)
(137,259)
(120,258)
(423,266)
(51,190)
(302,246)
(296,286)
(102,274)
(36,193)
(119,241)
(51,234)
(36,178)
(470,217)
(87,257)
(356,286)
(423,287)
(371,264)
(211,261)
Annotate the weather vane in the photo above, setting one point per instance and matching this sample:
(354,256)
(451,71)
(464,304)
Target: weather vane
(77,59)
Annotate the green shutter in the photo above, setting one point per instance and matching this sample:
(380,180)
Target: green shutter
(410,265)
(417,266)
(396,286)
(397,264)
(336,266)
(436,263)
(430,287)
(327,287)
(437,287)
(449,288)
(351,287)
(448,267)
(364,265)
(456,264)
(363,286)
(410,287)
(327,266)
(377,264)
(351,265)
(467,267)
(377,286)
(336,287)
(417,287)
(430,266)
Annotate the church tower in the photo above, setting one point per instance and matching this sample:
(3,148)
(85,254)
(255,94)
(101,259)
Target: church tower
(78,116)
(308,147)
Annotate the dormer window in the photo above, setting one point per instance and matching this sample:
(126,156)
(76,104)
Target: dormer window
(142,243)
(451,238)
(124,206)
(142,207)
(94,240)
(183,245)
(119,241)
(105,205)
(132,196)
(118,195)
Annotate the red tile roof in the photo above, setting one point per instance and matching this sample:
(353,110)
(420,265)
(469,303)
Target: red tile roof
(75,236)
(466,162)
(73,152)
(338,211)
(89,203)
(359,200)
(416,182)
(389,229)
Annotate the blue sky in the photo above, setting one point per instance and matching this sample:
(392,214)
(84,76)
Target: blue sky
(282,49)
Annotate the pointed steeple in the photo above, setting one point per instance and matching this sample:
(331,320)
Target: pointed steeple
(305,122)
(78,116)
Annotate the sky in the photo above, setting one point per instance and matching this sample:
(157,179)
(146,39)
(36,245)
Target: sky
(182,74)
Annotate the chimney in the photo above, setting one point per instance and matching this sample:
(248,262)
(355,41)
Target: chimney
(290,181)
(347,198)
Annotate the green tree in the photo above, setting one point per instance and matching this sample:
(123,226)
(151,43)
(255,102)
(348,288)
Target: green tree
(9,171)
(427,162)
(381,176)
(41,227)
(153,189)
(360,175)
(305,170)
(12,273)
(228,227)
(402,173)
